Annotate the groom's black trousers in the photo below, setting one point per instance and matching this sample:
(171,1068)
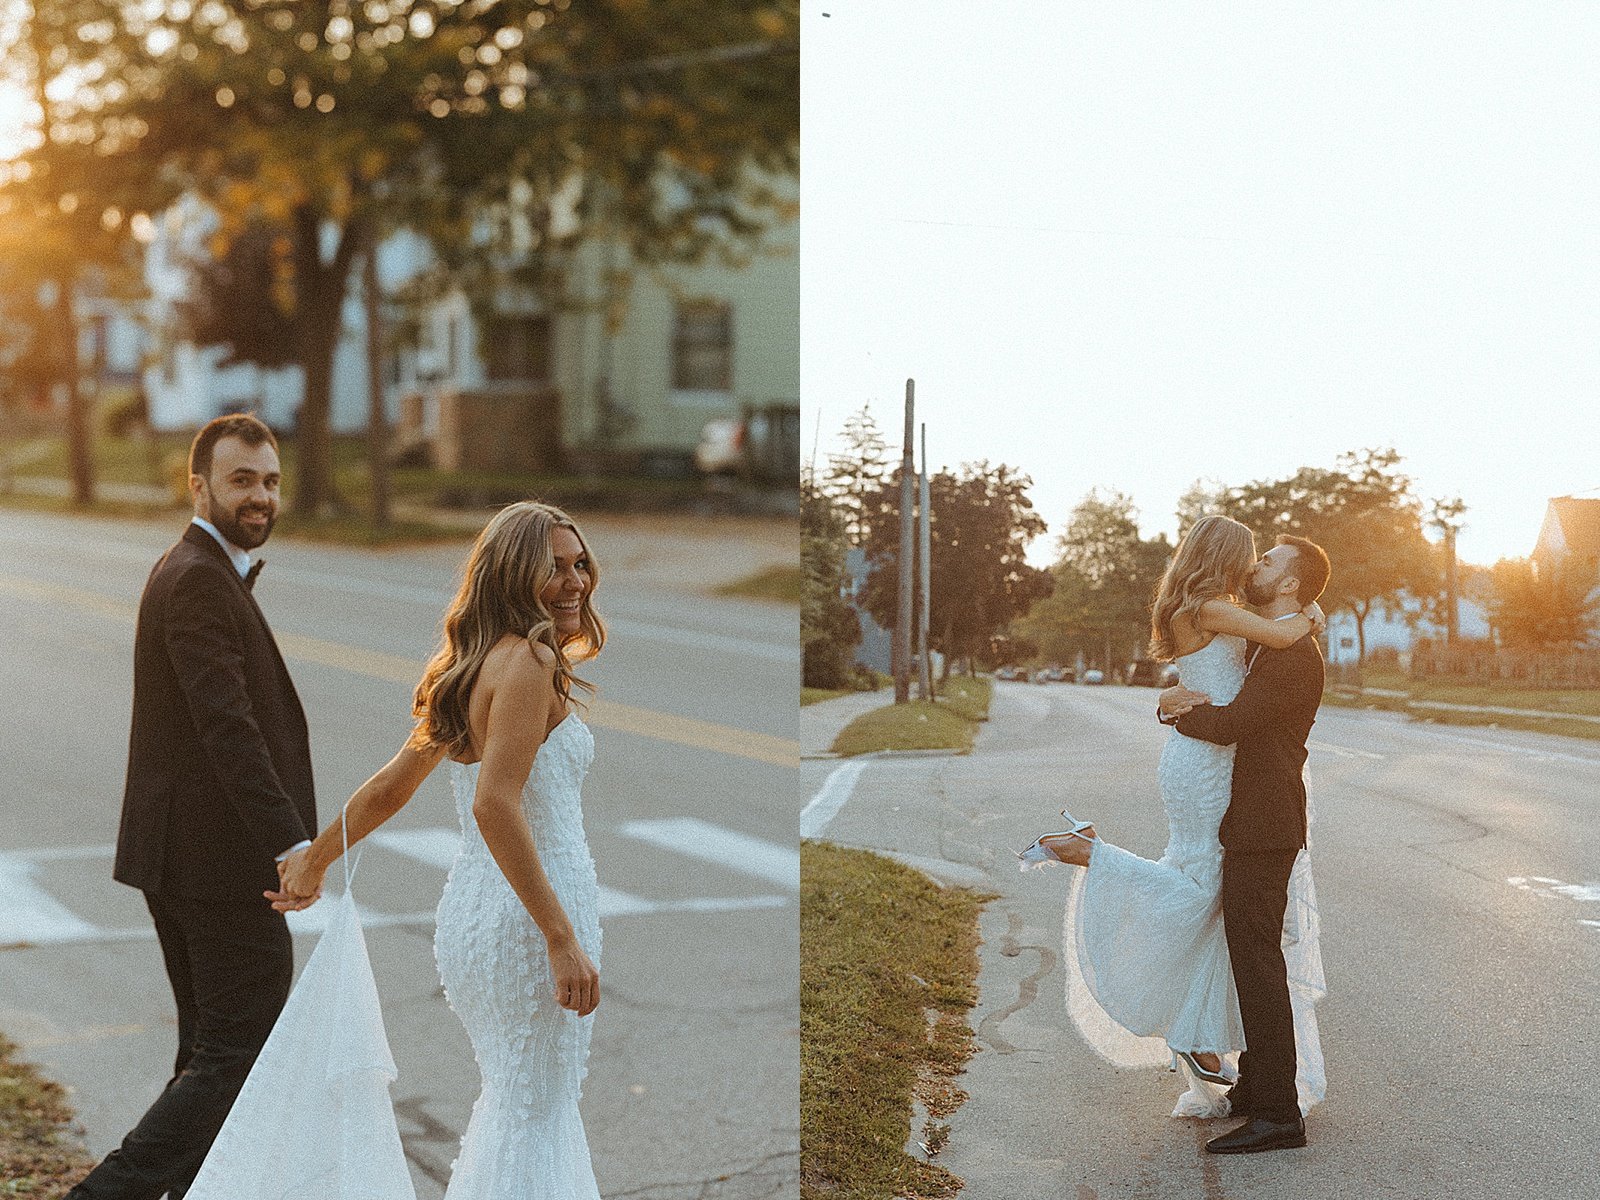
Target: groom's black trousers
(231,965)
(1255,895)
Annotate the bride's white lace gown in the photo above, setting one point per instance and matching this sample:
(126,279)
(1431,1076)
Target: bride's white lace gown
(1147,960)
(525,1140)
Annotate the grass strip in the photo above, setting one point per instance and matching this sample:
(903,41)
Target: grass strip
(40,1156)
(947,723)
(888,971)
(1554,723)
(810,695)
(780,581)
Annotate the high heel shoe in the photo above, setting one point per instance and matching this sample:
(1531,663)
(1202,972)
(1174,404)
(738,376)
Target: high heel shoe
(1037,856)
(1220,1078)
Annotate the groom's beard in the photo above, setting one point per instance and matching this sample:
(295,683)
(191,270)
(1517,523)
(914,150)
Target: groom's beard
(242,536)
(1256,594)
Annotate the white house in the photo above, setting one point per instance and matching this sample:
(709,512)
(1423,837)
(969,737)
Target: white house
(1398,628)
(694,342)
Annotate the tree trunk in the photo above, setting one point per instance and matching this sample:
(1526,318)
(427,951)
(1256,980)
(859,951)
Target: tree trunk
(80,423)
(1361,631)
(377,417)
(319,310)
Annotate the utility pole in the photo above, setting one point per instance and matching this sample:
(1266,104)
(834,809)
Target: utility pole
(925,543)
(377,415)
(1446,517)
(902,626)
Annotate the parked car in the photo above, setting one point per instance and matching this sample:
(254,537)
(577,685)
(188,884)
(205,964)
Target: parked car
(1012,674)
(1049,674)
(1147,672)
(1094,675)
(761,444)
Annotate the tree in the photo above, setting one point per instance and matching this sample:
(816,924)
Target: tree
(505,133)
(1364,513)
(1530,612)
(1106,579)
(980,523)
(858,475)
(829,627)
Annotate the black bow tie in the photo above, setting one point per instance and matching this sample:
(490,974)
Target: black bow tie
(250,575)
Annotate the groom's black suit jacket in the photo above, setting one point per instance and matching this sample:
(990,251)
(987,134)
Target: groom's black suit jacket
(1269,719)
(219,763)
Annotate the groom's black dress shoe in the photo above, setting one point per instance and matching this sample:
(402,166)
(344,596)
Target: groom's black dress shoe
(1258,1134)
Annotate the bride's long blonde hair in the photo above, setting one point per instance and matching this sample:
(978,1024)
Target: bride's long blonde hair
(1212,561)
(510,565)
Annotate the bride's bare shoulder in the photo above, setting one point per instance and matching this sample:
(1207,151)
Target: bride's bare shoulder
(1187,637)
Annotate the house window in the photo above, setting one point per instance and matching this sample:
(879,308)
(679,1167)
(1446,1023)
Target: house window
(702,347)
(517,348)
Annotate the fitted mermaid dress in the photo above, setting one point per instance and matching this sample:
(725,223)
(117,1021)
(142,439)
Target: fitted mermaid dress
(525,1140)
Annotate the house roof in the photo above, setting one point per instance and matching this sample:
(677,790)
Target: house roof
(1580,523)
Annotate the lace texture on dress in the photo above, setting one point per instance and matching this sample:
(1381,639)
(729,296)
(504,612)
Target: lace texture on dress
(525,1140)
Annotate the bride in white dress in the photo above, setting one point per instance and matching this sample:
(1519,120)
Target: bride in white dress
(1149,977)
(518,934)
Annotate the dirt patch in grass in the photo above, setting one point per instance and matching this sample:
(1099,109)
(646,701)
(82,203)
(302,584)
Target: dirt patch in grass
(888,971)
(781,581)
(40,1154)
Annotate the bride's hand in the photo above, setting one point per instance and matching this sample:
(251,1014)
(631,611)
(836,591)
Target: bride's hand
(576,979)
(1319,619)
(299,884)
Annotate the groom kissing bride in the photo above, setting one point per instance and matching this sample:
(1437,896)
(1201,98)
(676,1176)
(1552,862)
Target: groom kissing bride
(1214,947)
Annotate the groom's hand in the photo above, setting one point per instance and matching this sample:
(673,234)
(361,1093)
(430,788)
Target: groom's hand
(1177,700)
(298,886)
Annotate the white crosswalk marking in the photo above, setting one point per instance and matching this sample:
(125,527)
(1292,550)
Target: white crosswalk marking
(712,843)
(29,914)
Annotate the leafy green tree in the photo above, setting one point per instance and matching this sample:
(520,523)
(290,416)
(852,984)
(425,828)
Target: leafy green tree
(1530,612)
(981,521)
(1365,513)
(1106,579)
(505,133)
(829,627)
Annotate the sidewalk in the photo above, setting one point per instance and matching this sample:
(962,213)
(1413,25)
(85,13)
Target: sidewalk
(1493,710)
(820,723)
(1046,1118)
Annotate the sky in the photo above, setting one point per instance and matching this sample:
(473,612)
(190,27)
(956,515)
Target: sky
(1129,246)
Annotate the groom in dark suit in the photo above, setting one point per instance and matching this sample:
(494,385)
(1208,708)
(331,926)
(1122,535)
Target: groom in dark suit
(1261,835)
(218,787)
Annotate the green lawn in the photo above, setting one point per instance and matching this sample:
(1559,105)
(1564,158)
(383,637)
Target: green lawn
(39,1156)
(781,581)
(949,722)
(818,695)
(1556,702)
(881,949)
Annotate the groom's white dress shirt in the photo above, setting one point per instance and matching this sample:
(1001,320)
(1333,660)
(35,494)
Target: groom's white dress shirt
(241,563)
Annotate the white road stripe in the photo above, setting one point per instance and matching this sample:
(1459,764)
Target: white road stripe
(1342,751)
(28,913)
(712,843)
(835,791)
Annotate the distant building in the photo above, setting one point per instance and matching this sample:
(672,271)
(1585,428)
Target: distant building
(876,648)
(628,384)
(1398,628)
(1569,542)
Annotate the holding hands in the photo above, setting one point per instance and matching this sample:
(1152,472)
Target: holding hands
(299,883)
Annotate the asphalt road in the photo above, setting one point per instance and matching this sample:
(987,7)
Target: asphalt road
(689,809)
(1458,875)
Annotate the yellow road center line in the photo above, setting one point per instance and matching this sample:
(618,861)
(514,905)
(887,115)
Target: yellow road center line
(394,668)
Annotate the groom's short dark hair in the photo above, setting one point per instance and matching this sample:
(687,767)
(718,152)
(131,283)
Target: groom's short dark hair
(252,431)
(1311,566)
